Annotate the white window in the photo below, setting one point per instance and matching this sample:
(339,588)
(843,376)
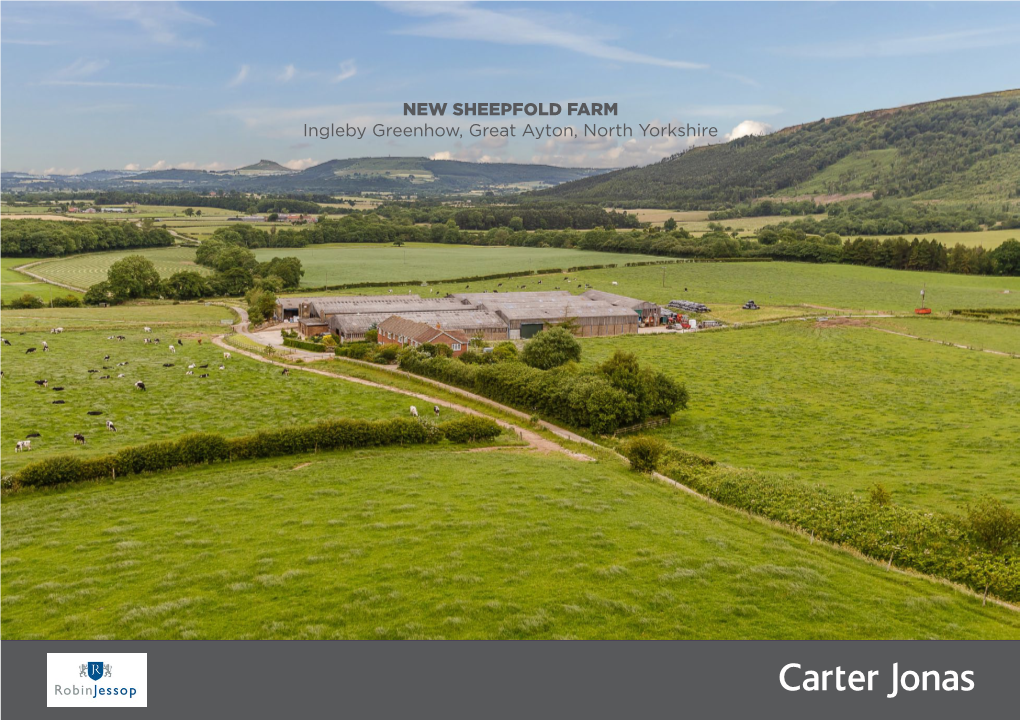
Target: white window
(456,347)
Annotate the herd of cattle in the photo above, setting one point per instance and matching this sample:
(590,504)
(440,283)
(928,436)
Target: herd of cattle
(79,438)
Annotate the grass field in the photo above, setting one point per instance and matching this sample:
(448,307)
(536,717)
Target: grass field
(86,270)
(356,262)
(14,284)
(246,396)
(781,288)
(134,316)
(972,333)
(394,543)
(988,239)
(845,407)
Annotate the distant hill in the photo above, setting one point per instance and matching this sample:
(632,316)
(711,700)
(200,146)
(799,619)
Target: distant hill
(396,175)
(965,148)
(262,167)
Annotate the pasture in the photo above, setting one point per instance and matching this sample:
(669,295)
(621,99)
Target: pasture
(435,543)
(86,270)
(132,316)
(337,264)
(845,407)
(960,331)
(14,284)
(244,397)
(782,289)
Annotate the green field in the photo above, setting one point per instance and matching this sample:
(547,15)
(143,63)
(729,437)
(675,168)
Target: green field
(845,407)
(415,543)
(14,284)
(246,396)
(972,333)
(775,285)
(86,270)
(356,262)
(988,239)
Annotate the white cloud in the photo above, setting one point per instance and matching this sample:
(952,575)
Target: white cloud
(444,155)
(300,164)
(908,46)
(748,127)
(164,23)
(61,171)
(81,68)
(288,74)
(456,21)
(195,166)
(132,166)
(242,74)
(159,165)
(347,71)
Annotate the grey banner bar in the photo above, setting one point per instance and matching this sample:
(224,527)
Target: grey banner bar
(537,679)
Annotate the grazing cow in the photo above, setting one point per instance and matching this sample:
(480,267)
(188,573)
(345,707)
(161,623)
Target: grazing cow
(140,385)
(110,426)
(58,402)
(145,341)
(168,364)
(179,341)
(173,349)
(191,366)
(226,356)
(45,347)
(41,383)
(615,283)
(190,372)
(539,282)
(94,412)
(23,445)
(285,371)
(204,375)
(203,367)
(108,337)
(30,350)
(120,375)
(58,389)
(121,364)
(106,367)
(435,409)
(93,371)
(414,411)
(79,439)
(200,341)
(106,357)
(104,377)
(156,340)
(6,341)
(147,329)
(32,435)
(223,367)
(121,337)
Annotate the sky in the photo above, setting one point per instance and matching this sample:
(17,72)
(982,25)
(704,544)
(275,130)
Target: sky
(120,85)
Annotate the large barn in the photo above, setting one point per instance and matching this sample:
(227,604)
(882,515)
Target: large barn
(351,327)
(528,313)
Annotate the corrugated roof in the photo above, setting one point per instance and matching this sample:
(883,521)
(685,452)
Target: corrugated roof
(468,320)
(619,300)
(383,303)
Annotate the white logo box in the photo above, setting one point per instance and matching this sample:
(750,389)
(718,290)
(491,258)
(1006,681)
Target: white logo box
(66,687)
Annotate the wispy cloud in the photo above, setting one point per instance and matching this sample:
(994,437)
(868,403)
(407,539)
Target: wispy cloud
(112,84)
(288,74)
(241,76)
(457,21)
(81,68)
(347,71)
(7,41)
(162,23)
(906,46)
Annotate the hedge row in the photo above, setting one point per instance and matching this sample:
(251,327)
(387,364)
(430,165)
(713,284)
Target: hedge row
(932,543)
(201,448)
(304,345)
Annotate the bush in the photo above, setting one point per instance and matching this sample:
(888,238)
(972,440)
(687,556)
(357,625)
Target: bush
(470,428)
(67,301)
(551,348)
(504,351)
(879,495)
(28,301)
(644,453)
(201,448)
(993,525)
(387,354)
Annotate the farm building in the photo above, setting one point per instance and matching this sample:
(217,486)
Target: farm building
(649,312)
(404,331)
(293,307)
(351,327)
(309,326)
(528,313)
(326,307)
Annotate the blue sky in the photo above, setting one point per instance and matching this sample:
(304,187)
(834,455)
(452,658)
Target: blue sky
(220,85)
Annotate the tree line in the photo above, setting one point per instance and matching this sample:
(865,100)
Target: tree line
(47,238)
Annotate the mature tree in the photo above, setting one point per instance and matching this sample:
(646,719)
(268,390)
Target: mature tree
(551,348)
(133,277)
(189,212)
(669,225)
(1007,257)
(995,527)
(28,301)
(186,285)
(261,304)
(288,269)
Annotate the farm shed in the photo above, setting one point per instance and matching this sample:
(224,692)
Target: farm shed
(648,311)
(293,307)
(353,326)
(325,308)
(308,327)
(528,313)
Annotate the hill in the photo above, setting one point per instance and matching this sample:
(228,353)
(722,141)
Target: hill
(965,148)
(396,175)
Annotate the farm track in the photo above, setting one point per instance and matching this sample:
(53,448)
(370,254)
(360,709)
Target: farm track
(22,269)
(941,342)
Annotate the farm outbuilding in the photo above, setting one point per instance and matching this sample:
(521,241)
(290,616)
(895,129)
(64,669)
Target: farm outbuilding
(325,308)
(648,311)
(288,308)
(353,326)
(528,313)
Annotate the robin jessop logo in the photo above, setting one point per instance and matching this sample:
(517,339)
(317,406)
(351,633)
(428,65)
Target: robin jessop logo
(73,683)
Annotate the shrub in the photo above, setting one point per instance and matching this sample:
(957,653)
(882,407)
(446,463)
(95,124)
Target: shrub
(879,495)
(387,354)
(551,348)
(993,525)
(644,453)
(67,301)
(504,351)
(470,428)
(28,301)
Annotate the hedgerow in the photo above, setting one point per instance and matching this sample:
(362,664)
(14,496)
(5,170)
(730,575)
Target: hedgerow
(203,448)
(934,543)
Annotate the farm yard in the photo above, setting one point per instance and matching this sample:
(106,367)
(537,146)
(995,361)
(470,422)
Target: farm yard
(846,407)
(421,543)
